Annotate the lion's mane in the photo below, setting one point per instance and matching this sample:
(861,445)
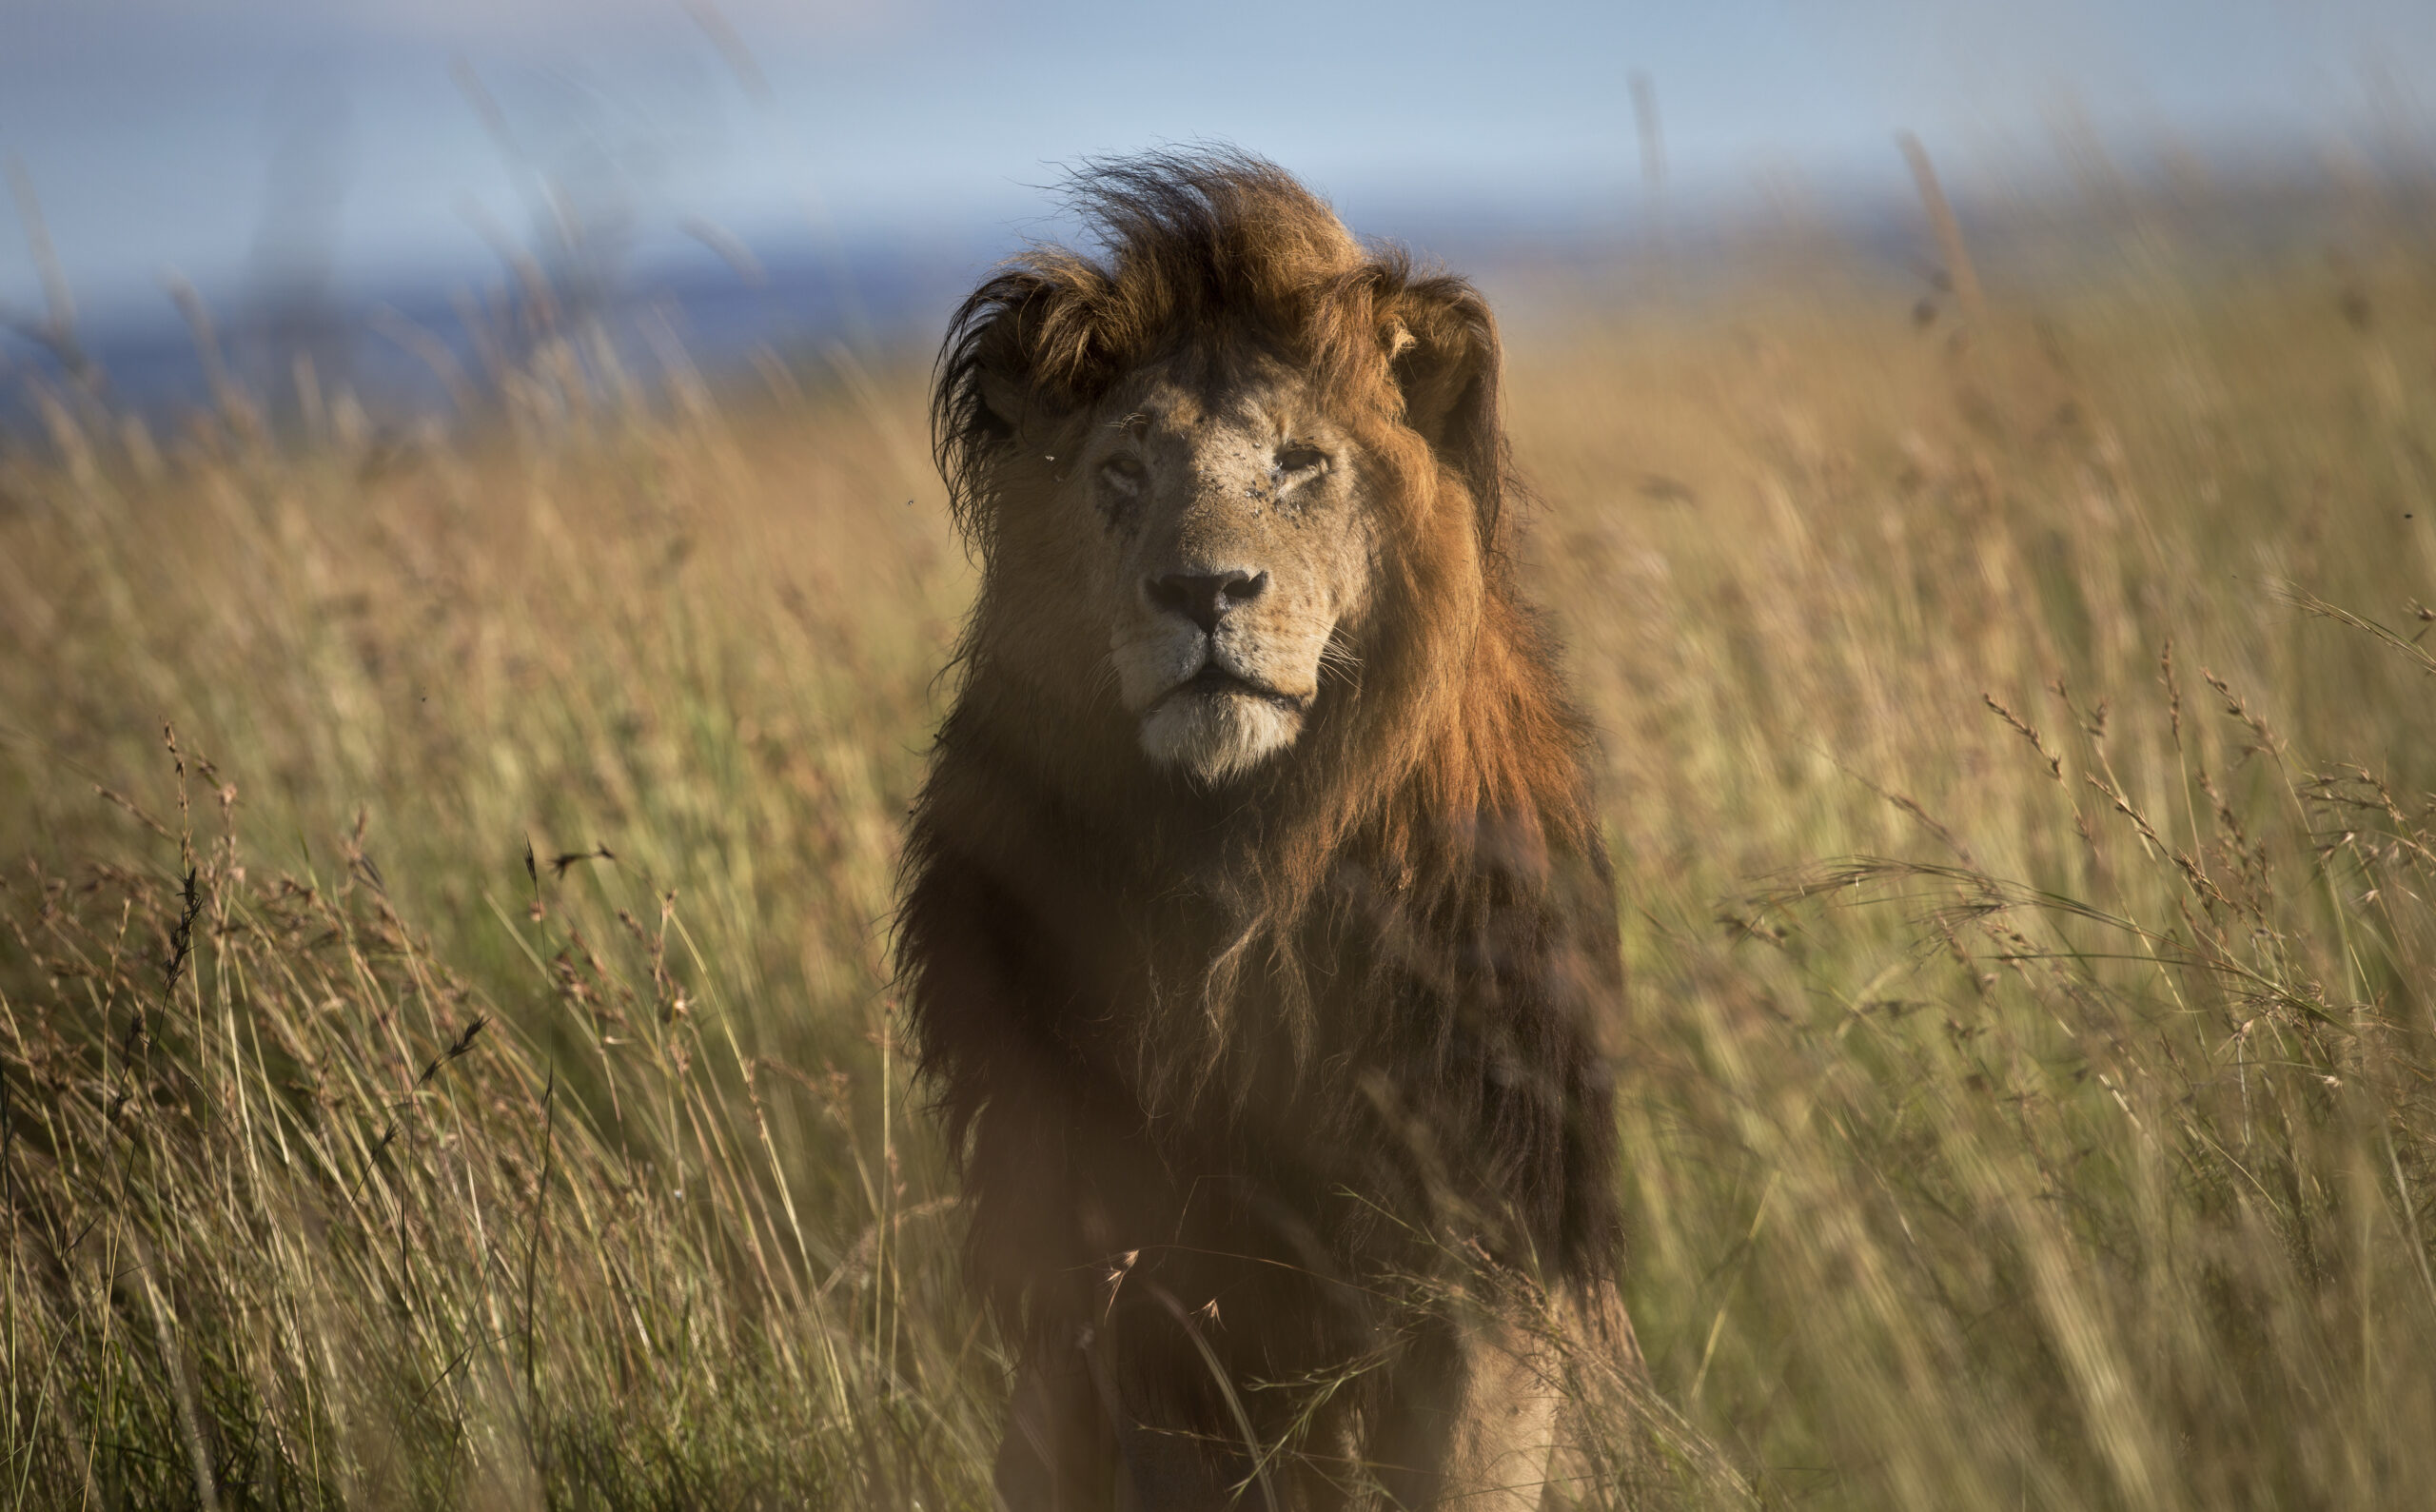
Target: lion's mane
(1337,1015)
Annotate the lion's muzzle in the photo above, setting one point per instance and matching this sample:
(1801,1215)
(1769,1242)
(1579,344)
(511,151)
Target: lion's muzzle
(1218,715)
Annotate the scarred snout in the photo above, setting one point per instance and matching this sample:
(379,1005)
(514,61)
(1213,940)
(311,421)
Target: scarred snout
(1205,598)
(1211,638)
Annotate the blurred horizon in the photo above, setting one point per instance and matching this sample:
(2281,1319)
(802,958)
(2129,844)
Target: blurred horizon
(835,170)
(1992,608)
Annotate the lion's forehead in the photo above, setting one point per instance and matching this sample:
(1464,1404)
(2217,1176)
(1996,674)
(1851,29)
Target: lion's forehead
(1225,394)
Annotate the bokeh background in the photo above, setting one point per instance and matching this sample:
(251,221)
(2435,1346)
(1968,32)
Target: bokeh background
(473,592)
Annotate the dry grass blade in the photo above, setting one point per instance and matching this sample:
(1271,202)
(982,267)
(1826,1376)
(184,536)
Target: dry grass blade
(2408,646)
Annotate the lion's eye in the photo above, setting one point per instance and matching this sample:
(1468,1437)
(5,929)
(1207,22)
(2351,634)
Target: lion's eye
(1294,460)
(1124,473)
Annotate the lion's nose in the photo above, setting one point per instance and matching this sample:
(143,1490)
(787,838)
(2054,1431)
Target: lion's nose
(1206,598)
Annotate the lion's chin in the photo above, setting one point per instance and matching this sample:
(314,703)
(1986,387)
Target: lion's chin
(1217,735)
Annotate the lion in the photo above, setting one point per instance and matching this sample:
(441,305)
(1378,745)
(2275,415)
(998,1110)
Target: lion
(1255,913)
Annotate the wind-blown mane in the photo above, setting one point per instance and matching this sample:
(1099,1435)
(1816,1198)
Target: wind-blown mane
(1397,931)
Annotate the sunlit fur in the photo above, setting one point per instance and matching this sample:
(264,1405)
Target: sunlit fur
(1262,1024)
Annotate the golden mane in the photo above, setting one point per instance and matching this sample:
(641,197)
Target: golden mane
(1460,711)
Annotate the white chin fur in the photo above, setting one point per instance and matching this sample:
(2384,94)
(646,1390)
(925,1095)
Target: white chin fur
(1217,735)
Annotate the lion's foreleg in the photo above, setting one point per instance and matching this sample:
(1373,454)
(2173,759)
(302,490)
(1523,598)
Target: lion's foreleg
(1470,1422)
(1505,1434)
(1602,1445)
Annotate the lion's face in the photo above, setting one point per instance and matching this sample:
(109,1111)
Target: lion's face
(1231,553)
(1243,470)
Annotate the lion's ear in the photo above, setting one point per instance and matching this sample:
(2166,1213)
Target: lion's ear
(1008,368)
(987,381)
(1003,397)
(1443,352)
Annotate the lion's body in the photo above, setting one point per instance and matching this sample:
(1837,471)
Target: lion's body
(1269,1052)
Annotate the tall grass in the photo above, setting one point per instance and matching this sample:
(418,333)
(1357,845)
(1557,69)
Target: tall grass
(453,1067)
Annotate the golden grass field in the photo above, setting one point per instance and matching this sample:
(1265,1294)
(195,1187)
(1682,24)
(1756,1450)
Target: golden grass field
(452,1064)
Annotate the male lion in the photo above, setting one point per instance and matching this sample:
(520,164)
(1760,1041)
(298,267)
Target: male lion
(1255,908)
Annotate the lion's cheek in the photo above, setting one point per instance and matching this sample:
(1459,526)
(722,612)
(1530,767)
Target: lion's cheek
(1281,650)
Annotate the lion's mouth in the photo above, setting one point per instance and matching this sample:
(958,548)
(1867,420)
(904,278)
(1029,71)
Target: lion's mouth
(1213,679)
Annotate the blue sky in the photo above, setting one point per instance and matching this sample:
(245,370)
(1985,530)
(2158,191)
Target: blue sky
(171,132)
